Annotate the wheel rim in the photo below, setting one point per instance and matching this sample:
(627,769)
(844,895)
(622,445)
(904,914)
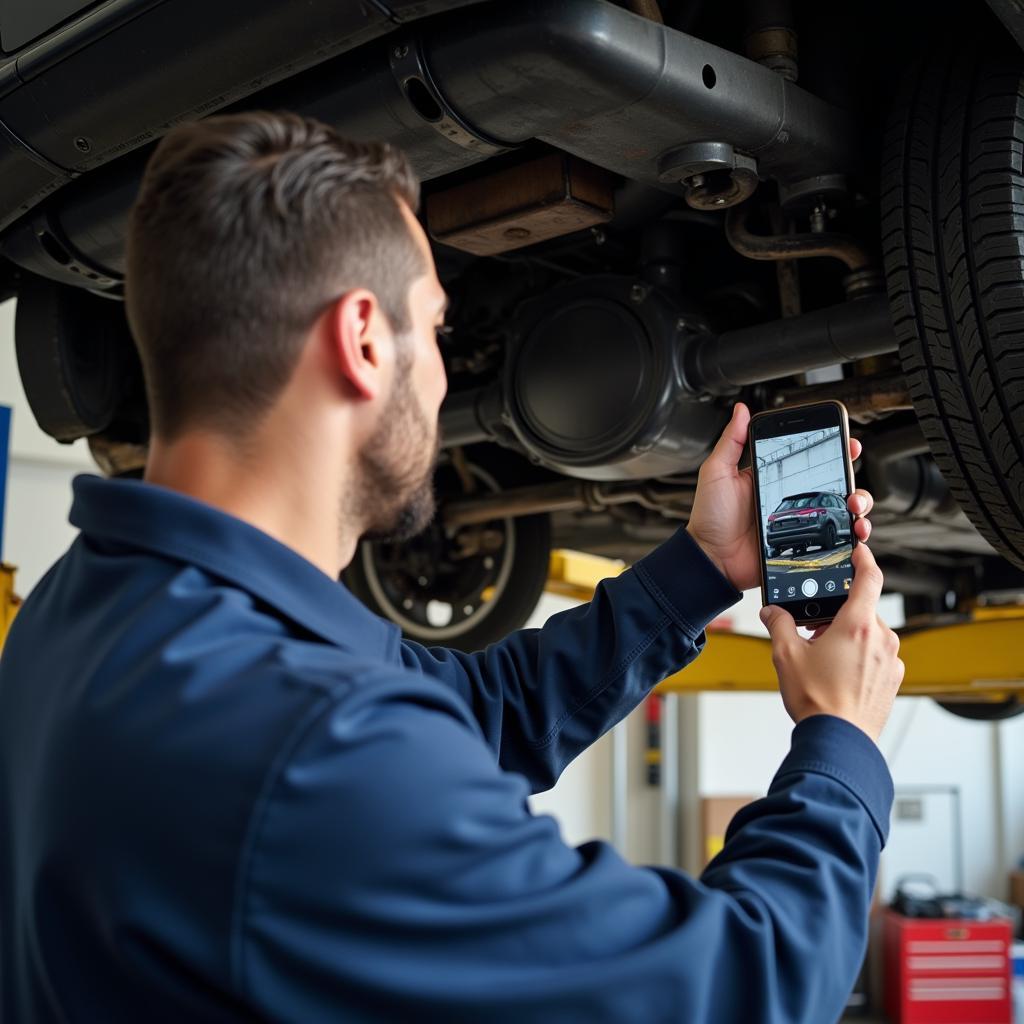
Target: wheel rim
(419,584)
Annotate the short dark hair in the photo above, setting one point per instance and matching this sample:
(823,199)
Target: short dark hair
(245,229)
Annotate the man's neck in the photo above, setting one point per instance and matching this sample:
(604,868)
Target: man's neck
(294,500)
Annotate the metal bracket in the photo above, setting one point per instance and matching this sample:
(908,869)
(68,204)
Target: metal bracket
(698,166)
(412,73)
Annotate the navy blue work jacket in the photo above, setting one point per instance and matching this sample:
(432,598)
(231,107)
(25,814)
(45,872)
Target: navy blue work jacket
(228,791)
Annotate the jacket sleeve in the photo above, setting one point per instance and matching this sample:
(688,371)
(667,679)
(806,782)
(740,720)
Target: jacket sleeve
(542,696)
(399,875)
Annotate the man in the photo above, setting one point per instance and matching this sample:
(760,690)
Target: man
(228,791)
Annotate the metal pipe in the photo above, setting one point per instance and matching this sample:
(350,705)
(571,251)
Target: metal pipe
(528,70)
(469,417)
(620,786)
(669,803)
(865,398)
(899,444)
(752,355)
(903,578)
(909,486)
(721,365)
(505,75)
(791,247)
(566,496)
(561,496)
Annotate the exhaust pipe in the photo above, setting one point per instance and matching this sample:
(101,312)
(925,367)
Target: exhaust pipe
(585,76)
(752,355)
(720,365)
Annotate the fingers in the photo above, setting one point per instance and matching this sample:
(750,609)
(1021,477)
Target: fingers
(860,502)
(867,583)
(729,449)
(892,642)
(855,449)
(862,527)
(780,624)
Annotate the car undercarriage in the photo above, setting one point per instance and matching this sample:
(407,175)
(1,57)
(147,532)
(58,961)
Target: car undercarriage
(641,212)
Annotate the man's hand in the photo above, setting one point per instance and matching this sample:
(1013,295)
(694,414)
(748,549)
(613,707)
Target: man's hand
(851,670)
(723,520)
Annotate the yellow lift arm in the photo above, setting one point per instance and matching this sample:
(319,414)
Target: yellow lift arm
(982,659)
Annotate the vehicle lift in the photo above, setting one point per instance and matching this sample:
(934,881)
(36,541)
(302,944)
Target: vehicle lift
(978,661)
(936,656)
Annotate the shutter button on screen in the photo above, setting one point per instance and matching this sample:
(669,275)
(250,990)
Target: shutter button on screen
(809,587)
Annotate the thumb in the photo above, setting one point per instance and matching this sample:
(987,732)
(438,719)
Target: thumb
(867,582)
(780,624)
(730,447)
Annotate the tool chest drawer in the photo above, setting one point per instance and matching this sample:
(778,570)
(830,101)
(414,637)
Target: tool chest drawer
(947,971)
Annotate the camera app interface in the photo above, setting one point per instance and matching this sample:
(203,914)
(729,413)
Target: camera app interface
(804,520)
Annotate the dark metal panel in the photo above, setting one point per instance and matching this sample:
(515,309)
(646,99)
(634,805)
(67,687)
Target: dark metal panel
(98,91)
(622,91)
(21,21)
(585,76)
(361,97)
(25,178)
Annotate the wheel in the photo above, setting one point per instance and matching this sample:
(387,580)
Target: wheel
(830,537)
(953,239)
(773,552)
(464,588)
(78,364)
(984,711)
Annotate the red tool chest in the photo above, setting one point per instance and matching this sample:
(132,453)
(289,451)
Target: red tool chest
(947,971)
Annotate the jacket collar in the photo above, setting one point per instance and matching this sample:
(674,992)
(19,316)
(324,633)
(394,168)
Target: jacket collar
(168,523)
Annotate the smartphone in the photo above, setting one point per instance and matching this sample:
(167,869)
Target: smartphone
(800,460)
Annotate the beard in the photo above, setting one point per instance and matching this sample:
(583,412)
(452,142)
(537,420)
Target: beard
(396,490)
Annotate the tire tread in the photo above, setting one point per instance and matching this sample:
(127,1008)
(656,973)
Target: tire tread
(953,247)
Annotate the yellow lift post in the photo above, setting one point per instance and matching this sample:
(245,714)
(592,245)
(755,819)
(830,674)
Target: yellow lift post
(980,660)
(9,601)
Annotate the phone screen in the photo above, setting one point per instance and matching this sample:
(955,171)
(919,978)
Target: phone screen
(807,537)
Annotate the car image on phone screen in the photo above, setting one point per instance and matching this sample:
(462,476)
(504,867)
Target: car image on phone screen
(803,477)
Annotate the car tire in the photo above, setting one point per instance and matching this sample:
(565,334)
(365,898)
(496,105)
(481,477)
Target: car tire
(984,711)
(953,241)
(830,537)
(78,364)
(517,580)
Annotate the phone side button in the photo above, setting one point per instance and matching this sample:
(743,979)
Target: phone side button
(811,609)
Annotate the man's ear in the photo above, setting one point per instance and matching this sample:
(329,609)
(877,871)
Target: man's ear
(354,323)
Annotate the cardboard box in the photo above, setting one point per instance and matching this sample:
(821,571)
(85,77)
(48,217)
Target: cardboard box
(715,814)
(1017,888)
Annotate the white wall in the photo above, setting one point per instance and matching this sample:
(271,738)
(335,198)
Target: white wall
(743,737)
(36,531)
